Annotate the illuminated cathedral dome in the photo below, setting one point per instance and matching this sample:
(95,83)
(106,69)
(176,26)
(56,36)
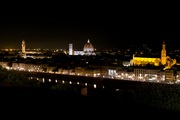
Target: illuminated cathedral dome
(88,47)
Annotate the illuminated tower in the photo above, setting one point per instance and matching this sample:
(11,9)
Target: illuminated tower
(163,54)
(70,49)
(23,47)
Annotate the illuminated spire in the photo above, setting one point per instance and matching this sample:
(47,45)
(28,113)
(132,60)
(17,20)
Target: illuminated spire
(163,41)
(23,41)
(163,53)
(164,45)
(88,41)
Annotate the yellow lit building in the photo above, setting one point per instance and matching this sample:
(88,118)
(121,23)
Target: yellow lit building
(164,60)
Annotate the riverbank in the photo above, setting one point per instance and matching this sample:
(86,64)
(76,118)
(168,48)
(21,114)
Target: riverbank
(43,100)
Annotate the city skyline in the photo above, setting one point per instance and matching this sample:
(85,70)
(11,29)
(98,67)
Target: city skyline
(136,67)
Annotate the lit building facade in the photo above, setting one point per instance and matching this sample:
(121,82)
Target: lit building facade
(164,60)
(34,53)
(169,75)
(70,49)
(88,49)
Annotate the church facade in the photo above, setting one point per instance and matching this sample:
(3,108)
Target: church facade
(163,60)
(87,50)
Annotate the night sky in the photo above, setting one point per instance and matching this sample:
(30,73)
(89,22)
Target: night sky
(107,26)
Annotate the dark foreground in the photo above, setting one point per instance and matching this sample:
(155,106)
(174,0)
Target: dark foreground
(31,102)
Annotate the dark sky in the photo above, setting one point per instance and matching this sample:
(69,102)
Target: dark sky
(106,25)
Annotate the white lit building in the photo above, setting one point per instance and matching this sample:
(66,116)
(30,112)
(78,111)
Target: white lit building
(70,49)
(148,74)
(87,50)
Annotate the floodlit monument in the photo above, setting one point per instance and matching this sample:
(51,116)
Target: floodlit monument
(164,60)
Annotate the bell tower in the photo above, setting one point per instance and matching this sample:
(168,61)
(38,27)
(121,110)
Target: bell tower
(163,54)
(23,45)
